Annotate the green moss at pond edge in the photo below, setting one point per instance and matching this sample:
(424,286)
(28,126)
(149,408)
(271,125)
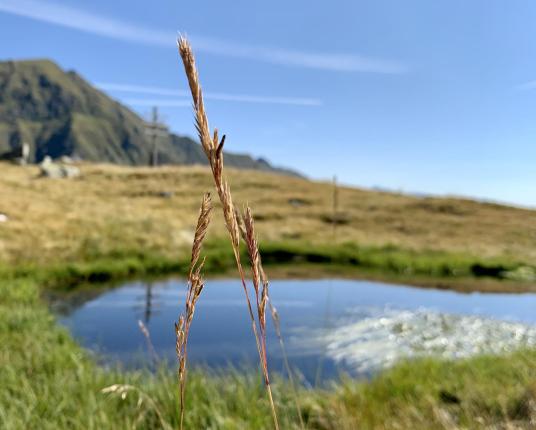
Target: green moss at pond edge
(50,382)
(430,268)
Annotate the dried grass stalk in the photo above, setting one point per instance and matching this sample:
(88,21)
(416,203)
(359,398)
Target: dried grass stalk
(145,331)
(203,222)
(260,295)
(195,286)
(247,230)
(213,148)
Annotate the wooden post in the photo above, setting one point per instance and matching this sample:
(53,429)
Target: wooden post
(335,205)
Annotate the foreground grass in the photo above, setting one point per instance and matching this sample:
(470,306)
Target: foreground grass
(49,382)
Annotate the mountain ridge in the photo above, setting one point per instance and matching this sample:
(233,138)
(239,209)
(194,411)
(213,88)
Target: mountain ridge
(60,113)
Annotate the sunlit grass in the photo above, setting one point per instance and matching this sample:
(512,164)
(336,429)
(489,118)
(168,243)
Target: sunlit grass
(49,382)
(111,209)
(288,258)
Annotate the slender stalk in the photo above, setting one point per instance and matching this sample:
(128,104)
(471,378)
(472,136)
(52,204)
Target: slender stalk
(195,286)
(277,326)
(213,149)
(145,331)
(247,231)
(261,296)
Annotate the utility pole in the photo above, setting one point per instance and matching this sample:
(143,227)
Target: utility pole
(335,205)
(154,130)
(154,157)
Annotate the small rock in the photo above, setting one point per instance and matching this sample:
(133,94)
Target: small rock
(339,218)
(50,169)
(448,397)
(3,217)
(165,194)
(65,159)
(522,273)
(70,171)
(297,202)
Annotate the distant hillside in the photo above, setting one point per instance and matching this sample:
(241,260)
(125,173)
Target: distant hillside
(59,113)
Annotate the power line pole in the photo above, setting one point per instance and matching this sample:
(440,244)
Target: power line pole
(154,157)
(154,130)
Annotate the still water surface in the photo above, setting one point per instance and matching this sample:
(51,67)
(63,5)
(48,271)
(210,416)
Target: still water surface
(329,326)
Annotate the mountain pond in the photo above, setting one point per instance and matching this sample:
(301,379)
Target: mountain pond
(329,326)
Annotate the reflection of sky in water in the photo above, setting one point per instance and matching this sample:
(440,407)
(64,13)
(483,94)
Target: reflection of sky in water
(384,337)
(354,326)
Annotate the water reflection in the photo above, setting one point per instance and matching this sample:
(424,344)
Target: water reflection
(387,335)
(329,325)
(149,303)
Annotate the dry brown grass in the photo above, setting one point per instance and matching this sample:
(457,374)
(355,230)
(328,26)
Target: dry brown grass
(114,207)
(195,286)
(213,148)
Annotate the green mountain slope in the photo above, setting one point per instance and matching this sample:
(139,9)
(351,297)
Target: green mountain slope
(59,113)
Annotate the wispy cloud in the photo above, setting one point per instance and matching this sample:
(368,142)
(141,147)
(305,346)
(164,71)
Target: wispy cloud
(158,91)
(311,60)
(530,85)
(158,102)
(85,21)
(142,89)
(117,29)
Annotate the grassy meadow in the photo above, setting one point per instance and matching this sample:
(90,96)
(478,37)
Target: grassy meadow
(114,222)
(133,220)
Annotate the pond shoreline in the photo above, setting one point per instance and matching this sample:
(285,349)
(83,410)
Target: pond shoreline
(219,263)
(48,380)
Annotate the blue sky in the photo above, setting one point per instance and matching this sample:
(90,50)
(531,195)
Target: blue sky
(419,96)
